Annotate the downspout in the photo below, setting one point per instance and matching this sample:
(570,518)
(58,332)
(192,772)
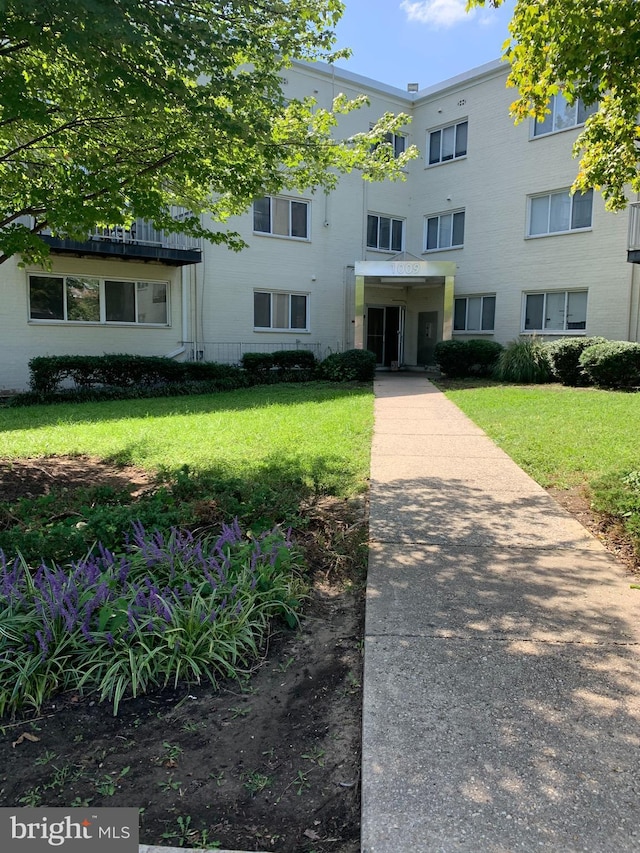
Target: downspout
(185,326)
(632,335)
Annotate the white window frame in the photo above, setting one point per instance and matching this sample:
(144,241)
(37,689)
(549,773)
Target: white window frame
(565,331)
(289,235)
(566,194)
(392,220)
(289,328)
(441,130)
(555,116)
(440,217)
(479,331)
(101,281)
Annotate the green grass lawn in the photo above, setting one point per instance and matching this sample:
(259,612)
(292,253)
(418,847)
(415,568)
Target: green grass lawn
(560,436)
(196,568)
(318,431)
(254,454)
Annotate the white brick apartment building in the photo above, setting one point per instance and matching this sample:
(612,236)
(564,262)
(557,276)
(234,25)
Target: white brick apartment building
(482,239)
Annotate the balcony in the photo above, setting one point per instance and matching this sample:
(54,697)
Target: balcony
(633,244)
(139,242)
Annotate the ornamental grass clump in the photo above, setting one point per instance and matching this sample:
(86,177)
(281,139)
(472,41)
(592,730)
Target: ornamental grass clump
(524,361)
(165,610)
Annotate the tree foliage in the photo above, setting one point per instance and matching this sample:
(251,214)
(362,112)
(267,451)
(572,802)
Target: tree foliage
(112,110)
(586,50)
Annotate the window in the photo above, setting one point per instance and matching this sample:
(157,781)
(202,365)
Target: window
(384,233)
(448,143)
(81,299)
(558,212)
(397,141)
(563,115)
(445,231)
(556,311)
(281,217)
(474,314)
(284,311)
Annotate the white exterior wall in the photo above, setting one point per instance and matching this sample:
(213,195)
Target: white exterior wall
(23,339)
(503,166)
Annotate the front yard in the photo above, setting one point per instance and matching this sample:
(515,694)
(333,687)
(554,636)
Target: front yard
(268,756)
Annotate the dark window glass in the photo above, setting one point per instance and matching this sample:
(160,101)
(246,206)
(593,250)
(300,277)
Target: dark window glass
(434,146)
(46,300)
(385,233)
(461,139)
(298,219)
(533,311)
(120,301)
(432,233)
(262,215)
(581,210)
(262,310)
(298,312)
(459,315)
(458,229)
(488,313)
(372,232)
(396,235)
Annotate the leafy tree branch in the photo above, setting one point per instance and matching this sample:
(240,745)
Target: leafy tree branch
(587,51)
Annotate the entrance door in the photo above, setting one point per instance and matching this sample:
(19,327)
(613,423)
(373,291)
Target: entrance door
(385,325)
(427,336)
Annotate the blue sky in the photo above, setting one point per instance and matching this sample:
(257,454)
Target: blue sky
(420,41)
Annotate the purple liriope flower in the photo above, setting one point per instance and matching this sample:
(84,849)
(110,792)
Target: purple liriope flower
(42,642)
(84,630)
(131,620)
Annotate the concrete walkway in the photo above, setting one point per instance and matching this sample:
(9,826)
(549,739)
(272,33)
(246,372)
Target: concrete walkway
(502,668)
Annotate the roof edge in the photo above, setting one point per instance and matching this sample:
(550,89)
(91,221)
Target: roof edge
(488,69)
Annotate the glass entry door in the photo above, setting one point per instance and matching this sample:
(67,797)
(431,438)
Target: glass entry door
(385,333)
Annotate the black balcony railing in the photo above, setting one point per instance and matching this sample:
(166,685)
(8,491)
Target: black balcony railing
(141,241)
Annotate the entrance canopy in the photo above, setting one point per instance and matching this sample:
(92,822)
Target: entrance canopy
(411,275)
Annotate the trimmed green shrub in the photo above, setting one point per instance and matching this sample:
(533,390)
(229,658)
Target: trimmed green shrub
(524,361)
(289,359)
(476,357)
(564,356)
(89,372)
(352,365)
(614,364)
(257,364)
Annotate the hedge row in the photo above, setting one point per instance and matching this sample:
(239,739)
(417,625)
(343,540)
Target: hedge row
(572,361)
(119,377)
(122,371)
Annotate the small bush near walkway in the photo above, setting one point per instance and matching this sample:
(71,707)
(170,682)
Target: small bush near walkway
(564,356)
(458,359)
(524,361)
(612,364)
(352,365)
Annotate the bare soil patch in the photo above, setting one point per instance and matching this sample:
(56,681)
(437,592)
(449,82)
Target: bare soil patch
(608,529)
(271,763)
